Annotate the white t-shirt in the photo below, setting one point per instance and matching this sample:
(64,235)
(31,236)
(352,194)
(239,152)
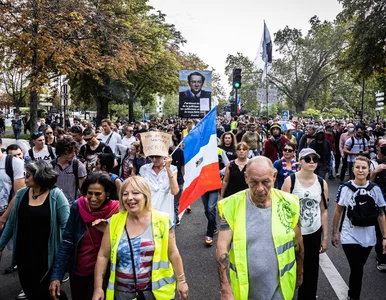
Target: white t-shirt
(43,154)
(310,213)
(161,198)
(114,140)
(350,234)
(127,141)
(5,181)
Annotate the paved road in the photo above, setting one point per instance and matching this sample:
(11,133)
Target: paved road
(200,264)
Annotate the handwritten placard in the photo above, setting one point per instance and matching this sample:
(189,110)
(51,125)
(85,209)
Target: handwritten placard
(156,143)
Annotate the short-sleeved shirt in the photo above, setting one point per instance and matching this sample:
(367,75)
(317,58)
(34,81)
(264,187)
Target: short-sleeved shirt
(179,162)
(350,234)
(110,141)
(67,181)
(91,156)
(6,182)
(359,145)
(43,154)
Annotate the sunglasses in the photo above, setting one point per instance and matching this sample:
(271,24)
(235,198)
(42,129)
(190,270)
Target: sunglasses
(28,175)
(88,139)
(155,156)
(288,150)
(49,132)
(308,159)
(36,134)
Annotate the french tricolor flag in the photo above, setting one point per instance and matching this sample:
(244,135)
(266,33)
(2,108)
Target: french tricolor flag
(202,172)
(238,104)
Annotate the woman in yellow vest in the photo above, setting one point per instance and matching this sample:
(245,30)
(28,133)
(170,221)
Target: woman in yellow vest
(140,244)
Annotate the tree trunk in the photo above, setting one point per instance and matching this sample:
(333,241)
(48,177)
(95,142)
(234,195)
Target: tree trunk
(102,105)
(131,107)
(300,107)
(33,107)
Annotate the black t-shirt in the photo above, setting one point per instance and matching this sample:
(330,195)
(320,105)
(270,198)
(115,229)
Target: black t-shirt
(91,156)
(230,152)
(179,162)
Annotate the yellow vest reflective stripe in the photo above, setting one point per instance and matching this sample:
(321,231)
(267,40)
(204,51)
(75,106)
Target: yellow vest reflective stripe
(285,215)
(163,280)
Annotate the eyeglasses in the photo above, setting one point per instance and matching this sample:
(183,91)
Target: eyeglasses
(155,156)
(288,150)
(308,159)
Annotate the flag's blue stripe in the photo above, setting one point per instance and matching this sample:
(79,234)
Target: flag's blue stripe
(199,136)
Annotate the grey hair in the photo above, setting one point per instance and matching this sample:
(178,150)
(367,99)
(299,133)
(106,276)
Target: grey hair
(261,160)
(43,173)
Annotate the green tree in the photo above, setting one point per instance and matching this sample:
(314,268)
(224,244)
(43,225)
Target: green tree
(366,54)
(170,107)
(307,62)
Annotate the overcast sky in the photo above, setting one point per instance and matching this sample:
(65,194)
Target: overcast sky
(216,28)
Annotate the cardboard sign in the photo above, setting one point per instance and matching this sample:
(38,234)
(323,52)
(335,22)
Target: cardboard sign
(155,143)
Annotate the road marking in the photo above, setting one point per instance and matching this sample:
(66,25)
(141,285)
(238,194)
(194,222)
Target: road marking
(338,284)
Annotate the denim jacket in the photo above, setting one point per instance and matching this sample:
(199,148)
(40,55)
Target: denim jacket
(68,249)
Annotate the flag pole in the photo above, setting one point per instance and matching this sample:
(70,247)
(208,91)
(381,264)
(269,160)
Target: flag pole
(266,75)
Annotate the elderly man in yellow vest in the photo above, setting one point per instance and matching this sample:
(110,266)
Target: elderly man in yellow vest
(260,247)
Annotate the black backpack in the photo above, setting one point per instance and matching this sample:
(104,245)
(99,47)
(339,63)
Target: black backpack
(9,171)
(365,212)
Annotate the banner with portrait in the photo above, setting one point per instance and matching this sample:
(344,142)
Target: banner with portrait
(195,93)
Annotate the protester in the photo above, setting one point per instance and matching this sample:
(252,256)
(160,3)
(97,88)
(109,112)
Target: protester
(129,137)
(313,195)
(234,178)
(127,161)
(322,147)
(82,236)
(71,171)
(109,137)
(228,144)
(273,147)
(252,222)
(252,139)
(141,235)
(286,165)
(343,138)
(140,160)
(161,175)
(37,221)
(105,162)
(357,238)
(40,150)
(50,138)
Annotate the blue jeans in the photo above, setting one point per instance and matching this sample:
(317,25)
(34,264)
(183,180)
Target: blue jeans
(209,199)
(16,133)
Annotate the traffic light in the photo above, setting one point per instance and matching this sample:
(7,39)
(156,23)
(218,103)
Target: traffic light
(236,78)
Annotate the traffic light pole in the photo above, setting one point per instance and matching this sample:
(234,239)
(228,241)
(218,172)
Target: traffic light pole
(236,100)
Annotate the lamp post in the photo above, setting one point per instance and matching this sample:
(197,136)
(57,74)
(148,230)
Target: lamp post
(363,99)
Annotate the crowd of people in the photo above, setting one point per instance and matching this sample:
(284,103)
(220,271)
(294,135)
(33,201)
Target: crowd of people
(87,201)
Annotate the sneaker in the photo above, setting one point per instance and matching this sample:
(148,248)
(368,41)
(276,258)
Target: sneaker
(66,278)
(381,267)
(9,270)
(21,295)
(189,210)
(178,223)
(208,241)
(215,231)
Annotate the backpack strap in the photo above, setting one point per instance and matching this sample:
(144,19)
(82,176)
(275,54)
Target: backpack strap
(343,216)
(321,182)
(279,165)
(9,171)
(370,186)
(31,154)
(49,147)
(293,179)
(75,167)
(109,138)
(350,186)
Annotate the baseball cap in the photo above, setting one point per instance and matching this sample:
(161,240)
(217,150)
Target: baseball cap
(77,119)
(307,151)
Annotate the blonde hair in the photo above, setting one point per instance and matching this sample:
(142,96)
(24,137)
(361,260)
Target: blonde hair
(139,184)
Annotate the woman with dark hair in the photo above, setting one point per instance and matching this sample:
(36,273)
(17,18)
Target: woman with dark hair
(105,162)
(234,179)
(228,144)
(127,164)
(286,165)
(83,235)
(49,136)
(38,218)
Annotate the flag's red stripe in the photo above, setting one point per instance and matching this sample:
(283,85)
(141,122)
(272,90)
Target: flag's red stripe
(208,180)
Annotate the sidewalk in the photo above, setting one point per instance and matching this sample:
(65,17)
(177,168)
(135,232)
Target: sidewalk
(24,144)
